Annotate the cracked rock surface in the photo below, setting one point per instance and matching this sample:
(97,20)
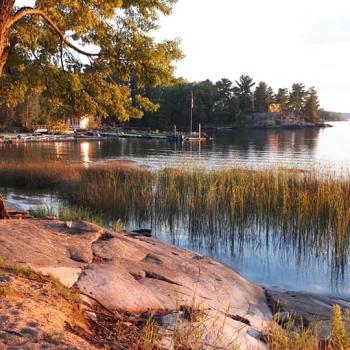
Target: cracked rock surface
(136,274)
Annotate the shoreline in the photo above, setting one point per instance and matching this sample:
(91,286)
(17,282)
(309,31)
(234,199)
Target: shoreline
(96,277)
(106,266)
(292,126)
(308,309)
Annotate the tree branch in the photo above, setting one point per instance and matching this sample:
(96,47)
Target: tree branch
(26,11)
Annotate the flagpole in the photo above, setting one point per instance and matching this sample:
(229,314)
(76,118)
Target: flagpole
(191,126)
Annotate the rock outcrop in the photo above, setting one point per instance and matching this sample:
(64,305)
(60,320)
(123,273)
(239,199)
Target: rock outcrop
(136,274)
(307,309)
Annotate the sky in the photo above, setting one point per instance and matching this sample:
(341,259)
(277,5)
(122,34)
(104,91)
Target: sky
(280,42)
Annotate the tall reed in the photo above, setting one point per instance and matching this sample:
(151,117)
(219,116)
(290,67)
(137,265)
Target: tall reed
(304,209)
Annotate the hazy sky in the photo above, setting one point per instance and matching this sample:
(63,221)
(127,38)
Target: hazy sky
(278,41)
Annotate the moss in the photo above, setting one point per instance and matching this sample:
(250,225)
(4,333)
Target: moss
(25,272)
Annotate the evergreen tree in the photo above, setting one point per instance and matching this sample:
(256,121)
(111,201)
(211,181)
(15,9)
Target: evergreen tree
(282,97)
(270,96)
(312,106)
(223,94)
(261,98)
(243,91)
(297,99)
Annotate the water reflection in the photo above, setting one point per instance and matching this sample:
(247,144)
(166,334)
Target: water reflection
(302,148)
(270,253)
(85,149)
(265,252)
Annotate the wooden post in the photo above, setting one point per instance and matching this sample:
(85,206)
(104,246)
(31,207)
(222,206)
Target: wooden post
(3,212)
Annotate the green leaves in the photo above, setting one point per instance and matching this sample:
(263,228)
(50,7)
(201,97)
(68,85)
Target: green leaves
(71,85)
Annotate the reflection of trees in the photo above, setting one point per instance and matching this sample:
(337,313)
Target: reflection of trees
(243,144)
(256,142)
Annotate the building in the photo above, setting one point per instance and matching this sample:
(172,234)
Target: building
(78,123)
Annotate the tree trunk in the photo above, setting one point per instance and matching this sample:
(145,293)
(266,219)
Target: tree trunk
(4,54)
(6,7)
(3,212)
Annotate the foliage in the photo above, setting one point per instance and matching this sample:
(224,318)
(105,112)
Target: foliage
(312,105)
(243,91)
(85,58)
(57,127)
(224,102)
(261,98)
(282,97)
(297,99)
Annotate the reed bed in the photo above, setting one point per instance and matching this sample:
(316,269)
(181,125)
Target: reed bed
(306,210)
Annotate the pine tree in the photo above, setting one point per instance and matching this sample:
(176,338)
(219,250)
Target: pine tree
(243,91)
(261,97)
(282,98)
(312,106)
(297,99)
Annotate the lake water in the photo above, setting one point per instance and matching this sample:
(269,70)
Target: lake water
(328,148)
(270,259)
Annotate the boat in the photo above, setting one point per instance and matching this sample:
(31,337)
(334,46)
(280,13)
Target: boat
(194,136)
(197,136)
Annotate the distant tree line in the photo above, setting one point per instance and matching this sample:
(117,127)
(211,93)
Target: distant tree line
(332,116)
(225,102)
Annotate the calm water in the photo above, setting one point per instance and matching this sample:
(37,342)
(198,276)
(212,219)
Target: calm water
(265,258)
(328,147)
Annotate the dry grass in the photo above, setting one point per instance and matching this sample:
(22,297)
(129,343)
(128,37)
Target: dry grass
(294,337)
(212,205)
(23,271)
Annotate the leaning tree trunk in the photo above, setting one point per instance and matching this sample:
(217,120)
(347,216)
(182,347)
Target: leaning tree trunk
(6,7)
(4,53)
(5,14)
(3,212)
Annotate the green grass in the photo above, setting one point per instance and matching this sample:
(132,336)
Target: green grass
(23,271)
(69,214)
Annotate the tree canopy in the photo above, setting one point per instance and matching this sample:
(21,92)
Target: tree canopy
(225,102)
(84,57)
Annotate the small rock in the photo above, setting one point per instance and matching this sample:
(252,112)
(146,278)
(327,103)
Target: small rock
(36,286)
(32,324)
(49,339)
(4,319)
(170,320)
(69,224)
(5,279)
(29,333)
(91,315)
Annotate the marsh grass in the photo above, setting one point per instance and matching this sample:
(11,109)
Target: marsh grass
(304,208)
(305,338)
(70,214)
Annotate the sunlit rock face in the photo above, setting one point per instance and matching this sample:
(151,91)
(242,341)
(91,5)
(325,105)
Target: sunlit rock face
(139,274)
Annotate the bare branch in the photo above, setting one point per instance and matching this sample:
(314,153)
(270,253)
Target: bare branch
(27,11)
